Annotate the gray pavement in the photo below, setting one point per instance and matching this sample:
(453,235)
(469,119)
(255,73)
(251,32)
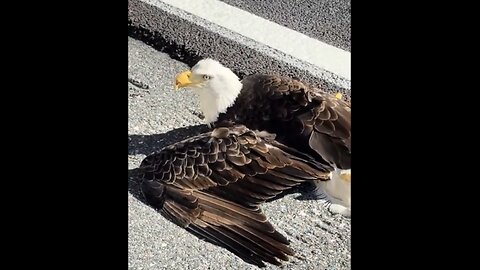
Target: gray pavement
(188,38)
(159,116)
(325,20)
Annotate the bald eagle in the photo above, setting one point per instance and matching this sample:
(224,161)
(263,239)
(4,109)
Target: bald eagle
(213,184)
(312,121)
(268,134)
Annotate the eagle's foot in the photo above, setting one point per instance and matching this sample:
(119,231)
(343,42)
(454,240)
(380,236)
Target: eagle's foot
(339,209)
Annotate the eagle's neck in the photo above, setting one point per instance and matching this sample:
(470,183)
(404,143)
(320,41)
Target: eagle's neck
(213,103)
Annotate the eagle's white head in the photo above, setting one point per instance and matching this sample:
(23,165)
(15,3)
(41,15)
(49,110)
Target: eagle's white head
(217,86)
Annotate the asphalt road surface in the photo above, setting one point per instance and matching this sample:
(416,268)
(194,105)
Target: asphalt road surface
(326,20)
(159,116)
(188,38)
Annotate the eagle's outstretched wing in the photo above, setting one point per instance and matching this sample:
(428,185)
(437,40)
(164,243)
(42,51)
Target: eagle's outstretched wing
(212,184)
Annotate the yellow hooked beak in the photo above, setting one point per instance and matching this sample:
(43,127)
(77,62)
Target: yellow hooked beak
(183,79)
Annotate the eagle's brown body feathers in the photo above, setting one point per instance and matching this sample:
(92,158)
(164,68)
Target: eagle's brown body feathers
(312,121)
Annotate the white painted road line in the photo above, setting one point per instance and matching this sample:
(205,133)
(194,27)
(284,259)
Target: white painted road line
(278,37)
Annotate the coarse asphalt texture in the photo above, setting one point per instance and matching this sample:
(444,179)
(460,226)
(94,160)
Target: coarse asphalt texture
(333,26)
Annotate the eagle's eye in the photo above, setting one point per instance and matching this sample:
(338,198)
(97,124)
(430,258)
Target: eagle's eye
(206,77)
